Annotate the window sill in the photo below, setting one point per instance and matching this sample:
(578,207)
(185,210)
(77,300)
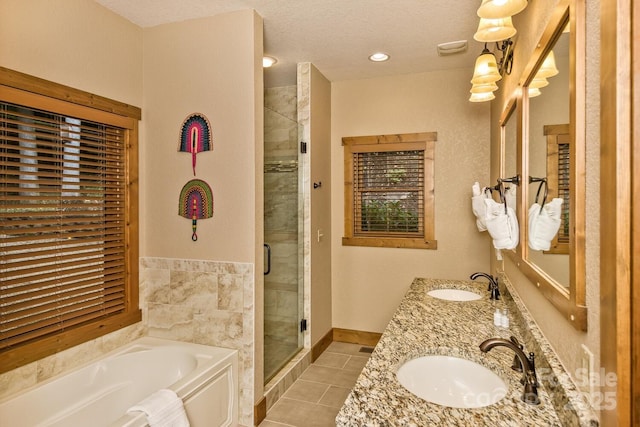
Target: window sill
(385,242)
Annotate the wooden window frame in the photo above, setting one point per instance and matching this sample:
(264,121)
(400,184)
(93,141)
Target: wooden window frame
(424,141)
(33,92)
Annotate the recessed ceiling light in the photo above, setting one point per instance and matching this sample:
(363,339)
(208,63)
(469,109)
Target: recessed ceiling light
(268,61)
(379,57)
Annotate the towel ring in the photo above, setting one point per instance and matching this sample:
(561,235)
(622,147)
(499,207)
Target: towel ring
(501,190)
(542,181)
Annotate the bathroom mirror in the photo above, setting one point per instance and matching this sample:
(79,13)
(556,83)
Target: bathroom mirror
(548,157)
(553,145)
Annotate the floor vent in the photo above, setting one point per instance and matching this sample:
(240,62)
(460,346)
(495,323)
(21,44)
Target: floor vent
(366,349)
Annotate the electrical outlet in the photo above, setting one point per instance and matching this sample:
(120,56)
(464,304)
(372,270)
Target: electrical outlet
(588,369)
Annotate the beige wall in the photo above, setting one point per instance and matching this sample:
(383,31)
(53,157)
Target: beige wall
(369,283)
(562,336)
(60,40)
(208,66)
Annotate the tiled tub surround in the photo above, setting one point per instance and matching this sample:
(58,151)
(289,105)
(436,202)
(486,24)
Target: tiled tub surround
(19,379)
(100,393)
(204,302)
(197,301)
(424,325)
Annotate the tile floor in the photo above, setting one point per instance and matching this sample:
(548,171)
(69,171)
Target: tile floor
(316,397)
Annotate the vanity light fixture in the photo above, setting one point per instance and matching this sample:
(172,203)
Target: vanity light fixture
(484,87)
(533,92)
(485,76)
(493,9)
(548,67)
(495,30)
(268,61)
(486,68)
(379,57)
(539,82)
(482,97)
(496,26)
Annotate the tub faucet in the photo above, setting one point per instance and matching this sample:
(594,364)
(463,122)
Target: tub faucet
(493,284)
(530,393)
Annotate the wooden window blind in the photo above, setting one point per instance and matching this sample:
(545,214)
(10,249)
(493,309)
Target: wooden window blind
(389,193)
(389,196)
(558,180)
(66,249)
(563,189)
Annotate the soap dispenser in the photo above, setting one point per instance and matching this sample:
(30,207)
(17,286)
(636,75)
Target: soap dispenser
(497,318)
(504,321)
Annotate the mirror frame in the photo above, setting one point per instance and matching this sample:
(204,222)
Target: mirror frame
(571,301)
(509,113)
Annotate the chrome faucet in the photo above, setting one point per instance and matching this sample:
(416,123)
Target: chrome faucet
(493,284)
(530,394)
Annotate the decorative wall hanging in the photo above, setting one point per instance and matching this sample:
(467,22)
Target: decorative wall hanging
(196,202)
(195,136)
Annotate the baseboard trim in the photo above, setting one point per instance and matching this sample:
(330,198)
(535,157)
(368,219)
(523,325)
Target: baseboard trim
(260,411)
(356,337)
(319,347)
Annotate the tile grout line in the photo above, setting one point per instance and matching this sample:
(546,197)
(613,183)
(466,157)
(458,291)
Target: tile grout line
(347,362)
(323,395)
(328,386)
(280,424)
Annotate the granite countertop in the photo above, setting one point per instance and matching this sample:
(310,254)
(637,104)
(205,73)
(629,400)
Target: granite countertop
(423,325)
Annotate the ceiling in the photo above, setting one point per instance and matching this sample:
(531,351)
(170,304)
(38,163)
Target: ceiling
(337,36)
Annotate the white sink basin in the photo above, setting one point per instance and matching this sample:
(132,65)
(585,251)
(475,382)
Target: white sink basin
(453,294)
(451,381)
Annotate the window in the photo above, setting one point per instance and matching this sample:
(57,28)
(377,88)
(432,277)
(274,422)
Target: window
(558,173)
(389,190)
(68,210)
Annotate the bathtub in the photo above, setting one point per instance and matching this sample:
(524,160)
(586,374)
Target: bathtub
(99,393)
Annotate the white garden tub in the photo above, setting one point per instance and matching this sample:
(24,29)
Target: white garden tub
(99,394)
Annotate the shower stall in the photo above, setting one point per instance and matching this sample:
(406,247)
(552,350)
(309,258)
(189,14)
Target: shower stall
(283,231)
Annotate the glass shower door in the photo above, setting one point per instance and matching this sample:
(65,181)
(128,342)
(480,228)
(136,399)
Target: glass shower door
(283,305)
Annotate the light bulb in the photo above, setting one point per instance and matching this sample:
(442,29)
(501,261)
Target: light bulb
(494,9)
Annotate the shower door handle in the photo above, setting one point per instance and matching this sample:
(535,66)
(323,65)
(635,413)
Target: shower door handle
(268,259)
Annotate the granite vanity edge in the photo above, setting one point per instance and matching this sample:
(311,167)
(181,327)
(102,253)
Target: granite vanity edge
(570,403)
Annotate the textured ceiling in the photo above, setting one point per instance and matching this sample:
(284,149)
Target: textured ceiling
(336,36)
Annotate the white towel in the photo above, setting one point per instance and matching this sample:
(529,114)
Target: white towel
(544,224)
(510,196)
(478,207)
(502,226)
(163,409)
